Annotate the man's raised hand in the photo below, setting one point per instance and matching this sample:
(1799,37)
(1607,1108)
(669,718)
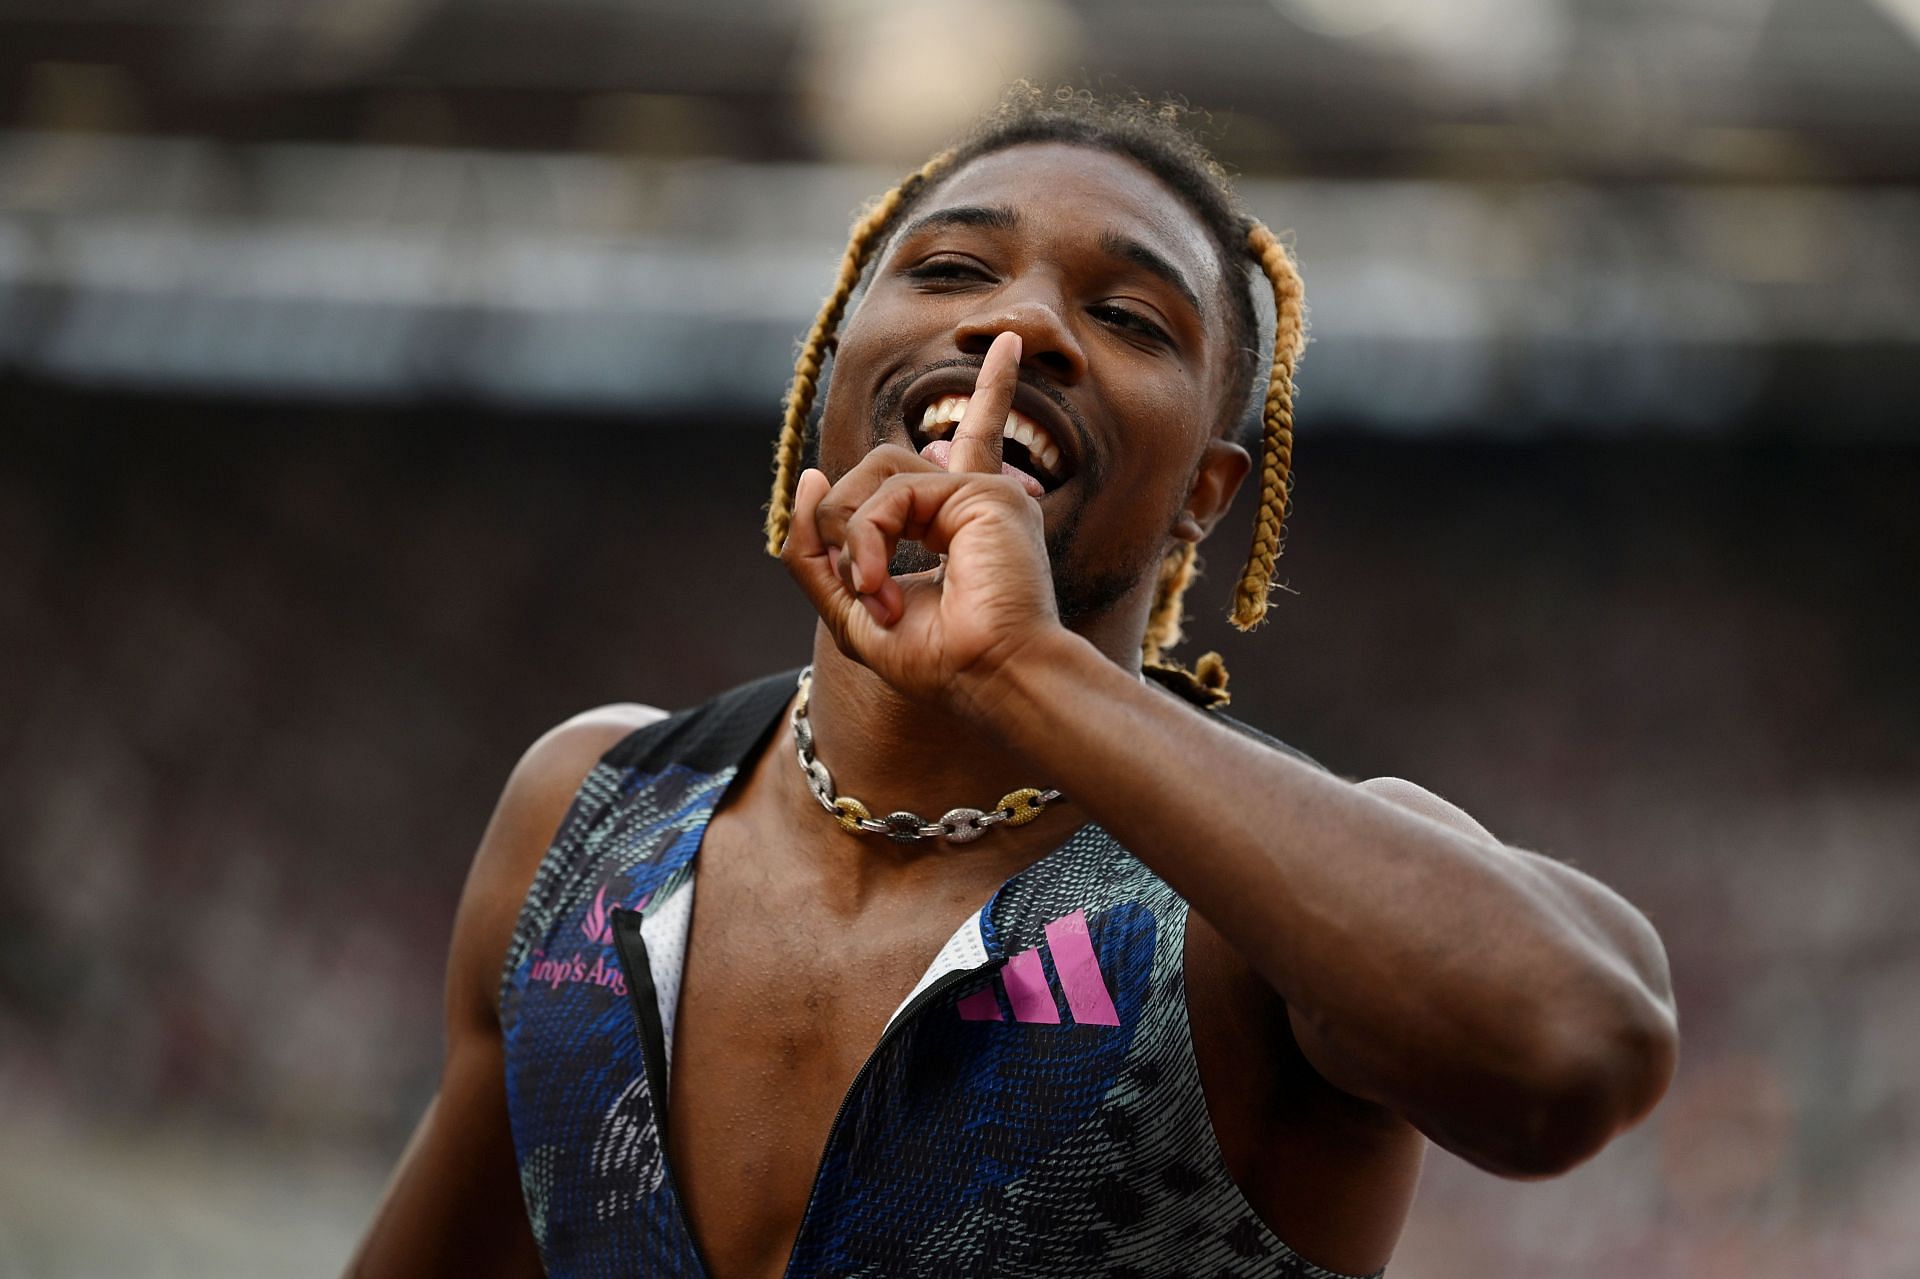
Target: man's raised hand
(928,633)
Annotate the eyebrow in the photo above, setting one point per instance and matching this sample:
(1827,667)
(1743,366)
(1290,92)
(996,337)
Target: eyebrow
(1000,217)
(1117,245)
(991,217)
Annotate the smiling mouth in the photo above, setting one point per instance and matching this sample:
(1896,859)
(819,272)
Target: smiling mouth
(1025,445)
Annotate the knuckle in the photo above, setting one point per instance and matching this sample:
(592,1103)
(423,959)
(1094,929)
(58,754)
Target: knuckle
(888,458)
(897,486)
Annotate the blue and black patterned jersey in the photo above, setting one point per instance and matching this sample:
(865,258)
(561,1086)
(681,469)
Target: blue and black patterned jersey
(1032,1108)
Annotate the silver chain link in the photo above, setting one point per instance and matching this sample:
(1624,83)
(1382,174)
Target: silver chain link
(956,826)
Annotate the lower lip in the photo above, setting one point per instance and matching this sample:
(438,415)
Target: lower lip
(939,452)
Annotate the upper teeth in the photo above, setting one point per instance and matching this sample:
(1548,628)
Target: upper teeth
(943,413)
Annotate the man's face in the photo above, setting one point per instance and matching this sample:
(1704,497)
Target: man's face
(1115,290)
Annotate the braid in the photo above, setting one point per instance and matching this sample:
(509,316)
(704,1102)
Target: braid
(1276,438)
(867,232)
(1163,623)
(1206,684)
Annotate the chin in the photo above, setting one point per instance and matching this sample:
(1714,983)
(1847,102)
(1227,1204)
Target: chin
(1079,596)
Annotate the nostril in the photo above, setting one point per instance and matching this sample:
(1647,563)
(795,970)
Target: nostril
(1056,364)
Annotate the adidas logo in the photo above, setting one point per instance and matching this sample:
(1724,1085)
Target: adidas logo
(1024,979)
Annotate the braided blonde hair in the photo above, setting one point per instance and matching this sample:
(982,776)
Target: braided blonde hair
(868,230)
(1276,425)
(1206,682)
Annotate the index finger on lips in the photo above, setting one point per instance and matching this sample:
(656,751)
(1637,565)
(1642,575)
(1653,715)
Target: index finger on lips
(976,441)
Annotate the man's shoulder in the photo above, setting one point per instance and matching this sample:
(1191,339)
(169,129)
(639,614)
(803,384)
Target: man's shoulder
(1205,689)
(535,800)
(549,774)
(568,751)
(1266,739)
(627,735)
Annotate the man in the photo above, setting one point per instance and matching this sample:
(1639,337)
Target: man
(1196,1013)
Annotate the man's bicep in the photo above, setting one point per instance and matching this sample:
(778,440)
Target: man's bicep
(1583,905)
(1419,799)
(1611,919)
(1319,1044)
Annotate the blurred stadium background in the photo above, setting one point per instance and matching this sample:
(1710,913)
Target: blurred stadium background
(383,381)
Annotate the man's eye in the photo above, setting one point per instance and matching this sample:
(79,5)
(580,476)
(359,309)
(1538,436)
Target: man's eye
(947,269)
(1121,317)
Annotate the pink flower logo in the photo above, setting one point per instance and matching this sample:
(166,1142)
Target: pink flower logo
(598,924)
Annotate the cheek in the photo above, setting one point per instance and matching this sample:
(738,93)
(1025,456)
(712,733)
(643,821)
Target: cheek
(1171,426)
(1127,520)
(874,343)
(1166,398)
(847,405)
(881,324)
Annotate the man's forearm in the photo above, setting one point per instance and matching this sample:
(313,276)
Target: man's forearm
(1459,981)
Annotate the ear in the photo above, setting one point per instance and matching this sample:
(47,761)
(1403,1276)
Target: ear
(1223,467)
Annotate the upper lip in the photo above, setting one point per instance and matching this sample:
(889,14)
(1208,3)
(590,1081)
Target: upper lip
(1068,435)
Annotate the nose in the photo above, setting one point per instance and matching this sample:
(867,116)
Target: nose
(1035,310)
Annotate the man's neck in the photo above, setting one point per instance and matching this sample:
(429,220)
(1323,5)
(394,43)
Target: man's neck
(893,754)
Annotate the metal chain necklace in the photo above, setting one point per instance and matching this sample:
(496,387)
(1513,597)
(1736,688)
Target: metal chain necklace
(958,825)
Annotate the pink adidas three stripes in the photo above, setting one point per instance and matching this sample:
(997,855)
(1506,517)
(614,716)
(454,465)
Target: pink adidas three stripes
(1025,981)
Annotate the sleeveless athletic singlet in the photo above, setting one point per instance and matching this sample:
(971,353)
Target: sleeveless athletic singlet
(1032,1108)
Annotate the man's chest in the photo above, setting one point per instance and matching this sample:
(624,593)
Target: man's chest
(780,1005)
